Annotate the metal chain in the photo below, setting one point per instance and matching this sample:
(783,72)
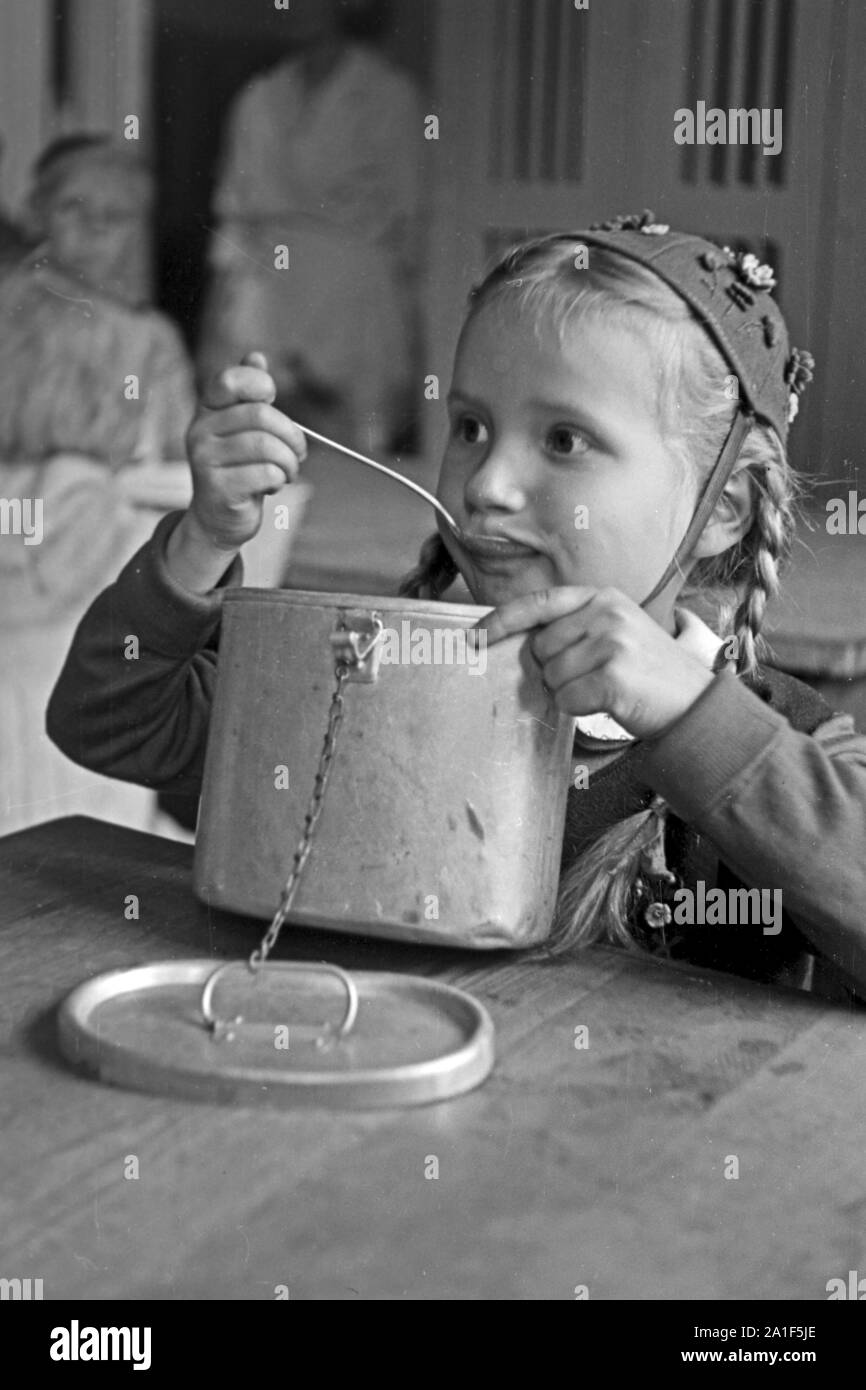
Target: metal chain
(314,810)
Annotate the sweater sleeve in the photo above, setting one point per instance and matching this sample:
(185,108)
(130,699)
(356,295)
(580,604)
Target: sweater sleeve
(784,809)
(133,699)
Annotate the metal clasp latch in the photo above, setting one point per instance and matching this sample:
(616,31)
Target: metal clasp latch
(356,645)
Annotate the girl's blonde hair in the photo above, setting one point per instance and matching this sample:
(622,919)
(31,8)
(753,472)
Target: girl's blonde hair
(602,891)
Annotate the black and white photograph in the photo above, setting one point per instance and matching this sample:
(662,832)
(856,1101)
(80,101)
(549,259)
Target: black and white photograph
(432,669)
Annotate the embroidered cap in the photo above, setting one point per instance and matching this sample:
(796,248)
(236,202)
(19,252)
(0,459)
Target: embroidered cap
(730,293)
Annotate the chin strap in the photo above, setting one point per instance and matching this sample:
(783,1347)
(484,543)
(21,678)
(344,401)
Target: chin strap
(706,505)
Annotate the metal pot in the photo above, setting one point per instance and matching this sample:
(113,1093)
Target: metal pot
(443,816)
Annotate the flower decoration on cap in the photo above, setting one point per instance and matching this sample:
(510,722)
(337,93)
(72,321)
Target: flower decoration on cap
(798,374)
(658,916)
(800,369)
(632,222)
(760,277)
(751,275)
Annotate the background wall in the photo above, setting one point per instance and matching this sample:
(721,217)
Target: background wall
(553,117)
(549,116)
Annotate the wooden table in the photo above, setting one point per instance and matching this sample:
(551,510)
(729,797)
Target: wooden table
(601,1166)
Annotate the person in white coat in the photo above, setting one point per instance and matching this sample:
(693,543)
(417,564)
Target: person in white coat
(315,252)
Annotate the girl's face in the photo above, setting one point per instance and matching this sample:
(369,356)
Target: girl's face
(555,447)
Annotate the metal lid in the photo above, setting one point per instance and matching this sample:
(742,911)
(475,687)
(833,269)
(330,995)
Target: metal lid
(286,1034)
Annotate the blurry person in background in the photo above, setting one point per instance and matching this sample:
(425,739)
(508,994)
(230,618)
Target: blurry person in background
(74,324)
(322,157)
(88,204)
(13,242)
(96,392)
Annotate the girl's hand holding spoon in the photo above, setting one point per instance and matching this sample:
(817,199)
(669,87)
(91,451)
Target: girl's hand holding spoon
(240,449)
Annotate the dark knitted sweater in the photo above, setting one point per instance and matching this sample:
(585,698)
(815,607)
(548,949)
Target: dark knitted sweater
(620,789)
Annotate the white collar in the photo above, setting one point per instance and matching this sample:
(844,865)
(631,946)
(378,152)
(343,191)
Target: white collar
(694,635)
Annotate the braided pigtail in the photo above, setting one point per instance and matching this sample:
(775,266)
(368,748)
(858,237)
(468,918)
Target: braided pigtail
(434,573)
(766,548)
(604,893)
(750,569)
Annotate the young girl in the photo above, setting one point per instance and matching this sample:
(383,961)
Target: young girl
(619,409)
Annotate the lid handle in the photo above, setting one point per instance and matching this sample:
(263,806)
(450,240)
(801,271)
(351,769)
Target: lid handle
(322,1034)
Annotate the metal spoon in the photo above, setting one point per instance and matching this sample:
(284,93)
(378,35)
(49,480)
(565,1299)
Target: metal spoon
(258,359)
(380,467)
